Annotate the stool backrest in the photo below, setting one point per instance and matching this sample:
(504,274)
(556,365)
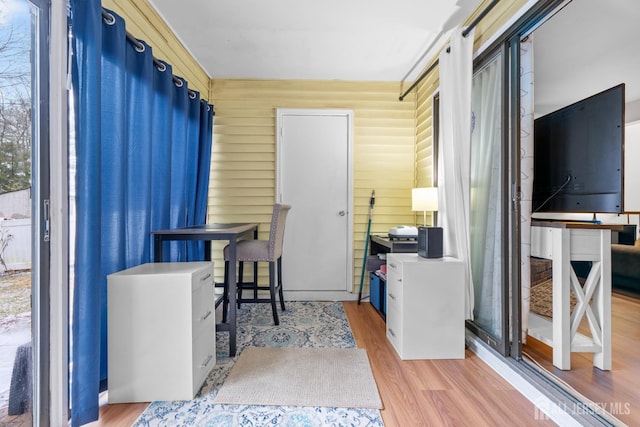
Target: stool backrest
(276,233)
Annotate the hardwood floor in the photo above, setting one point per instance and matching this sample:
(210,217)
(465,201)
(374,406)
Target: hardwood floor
(120,414)
(615,390)
(436,392)
(414,393)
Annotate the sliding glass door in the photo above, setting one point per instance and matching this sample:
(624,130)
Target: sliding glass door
(24,197)
(489,259)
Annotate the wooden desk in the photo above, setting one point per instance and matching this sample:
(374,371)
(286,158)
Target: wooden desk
(385,244)
(563,242)
(207,233)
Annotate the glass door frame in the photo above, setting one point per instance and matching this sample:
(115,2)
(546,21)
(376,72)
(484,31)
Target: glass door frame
(558,396)
(40,310)
(500,344)
(57,394)
(510,345)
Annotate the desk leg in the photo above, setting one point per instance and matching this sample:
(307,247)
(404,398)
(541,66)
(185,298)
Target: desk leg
(561,307)
(157,248)
(602,304)
(207,250)
(232,297)
(255,270)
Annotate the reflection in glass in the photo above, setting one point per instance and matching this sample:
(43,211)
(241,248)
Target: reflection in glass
(486,196)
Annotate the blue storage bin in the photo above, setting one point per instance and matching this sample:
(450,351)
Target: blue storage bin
(378,293)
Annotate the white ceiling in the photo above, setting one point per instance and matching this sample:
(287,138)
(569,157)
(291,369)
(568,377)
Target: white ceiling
(587,47)
(365,40)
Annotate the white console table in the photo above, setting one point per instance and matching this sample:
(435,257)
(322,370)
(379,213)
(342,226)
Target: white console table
(563,242)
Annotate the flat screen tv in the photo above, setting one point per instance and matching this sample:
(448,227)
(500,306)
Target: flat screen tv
(578,156)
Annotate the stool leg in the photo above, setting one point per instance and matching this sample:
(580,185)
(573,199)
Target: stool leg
(255,281)
(240,282)
(280,292)
(272,291)
(225,294)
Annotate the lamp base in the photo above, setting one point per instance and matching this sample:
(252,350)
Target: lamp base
(430,242)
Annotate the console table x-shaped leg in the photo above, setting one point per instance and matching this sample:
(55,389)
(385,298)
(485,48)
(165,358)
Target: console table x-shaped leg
(563,245)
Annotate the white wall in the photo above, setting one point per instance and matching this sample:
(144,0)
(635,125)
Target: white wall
(632,167)
(632,112)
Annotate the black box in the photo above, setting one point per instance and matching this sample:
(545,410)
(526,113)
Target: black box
(430,242)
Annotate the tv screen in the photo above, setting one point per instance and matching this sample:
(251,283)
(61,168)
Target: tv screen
(578,156)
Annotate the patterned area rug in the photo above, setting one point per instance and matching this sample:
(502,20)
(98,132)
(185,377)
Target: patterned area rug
(542,299)
(303,324)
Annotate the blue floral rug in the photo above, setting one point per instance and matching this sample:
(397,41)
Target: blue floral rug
(303,324)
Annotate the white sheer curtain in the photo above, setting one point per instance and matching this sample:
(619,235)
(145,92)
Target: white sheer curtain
(486,195)
(526,174)
(454,144)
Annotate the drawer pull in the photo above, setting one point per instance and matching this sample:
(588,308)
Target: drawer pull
(392,265)
(391,332)
(399,279)
(206,315)
(393,297)
(205,277)
(206,362)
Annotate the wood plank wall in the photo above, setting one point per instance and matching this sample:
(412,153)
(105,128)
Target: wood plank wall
(242,186)
(427,89)
(144,23)
(393,140)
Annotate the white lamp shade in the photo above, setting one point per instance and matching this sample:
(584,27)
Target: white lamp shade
(424,199)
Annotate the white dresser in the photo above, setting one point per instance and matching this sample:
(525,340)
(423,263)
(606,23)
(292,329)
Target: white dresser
(425,306)
(161,331)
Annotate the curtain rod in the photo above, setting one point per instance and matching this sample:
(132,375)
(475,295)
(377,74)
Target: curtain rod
(466,31)
(140,47)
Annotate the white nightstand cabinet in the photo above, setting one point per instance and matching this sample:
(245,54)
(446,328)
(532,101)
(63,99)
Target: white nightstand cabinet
(425,306)
(161,332)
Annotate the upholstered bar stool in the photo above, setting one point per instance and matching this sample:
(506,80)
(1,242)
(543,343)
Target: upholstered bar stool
(260,251)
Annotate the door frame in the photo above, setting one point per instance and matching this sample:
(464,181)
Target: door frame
(41,214)
(348,114)
(57,393)
(500,343)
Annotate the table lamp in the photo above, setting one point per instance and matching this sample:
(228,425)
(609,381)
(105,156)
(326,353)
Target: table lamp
(429,238)
(424,199)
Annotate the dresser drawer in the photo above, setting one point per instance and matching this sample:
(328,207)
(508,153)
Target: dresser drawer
(394,267)
(204,356)
(394,291)
(394,327)
(203,304)
(202,277)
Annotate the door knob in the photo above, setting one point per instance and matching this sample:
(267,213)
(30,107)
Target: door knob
(342,213)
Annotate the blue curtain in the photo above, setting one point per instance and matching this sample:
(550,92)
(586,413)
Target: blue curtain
(139,138)
(204,168)
(87,50)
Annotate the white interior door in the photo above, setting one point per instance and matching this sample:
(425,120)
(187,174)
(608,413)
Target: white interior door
(314,176)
